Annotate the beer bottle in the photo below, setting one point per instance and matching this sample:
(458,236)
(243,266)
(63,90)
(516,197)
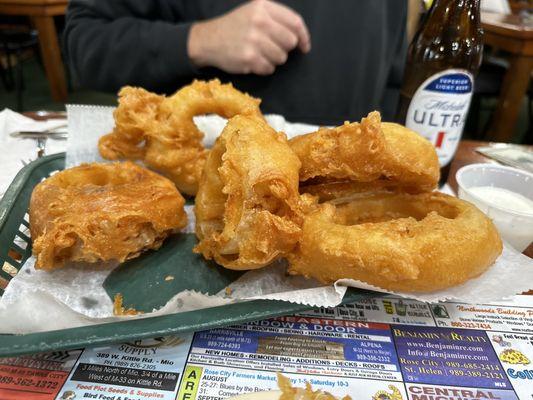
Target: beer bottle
(442,60)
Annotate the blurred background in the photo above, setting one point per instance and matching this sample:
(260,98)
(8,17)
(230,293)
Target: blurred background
(35,76)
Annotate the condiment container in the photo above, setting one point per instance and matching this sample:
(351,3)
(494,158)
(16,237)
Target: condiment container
(512,214)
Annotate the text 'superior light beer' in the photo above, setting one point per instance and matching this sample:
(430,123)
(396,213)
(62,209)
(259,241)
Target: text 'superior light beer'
(439,77)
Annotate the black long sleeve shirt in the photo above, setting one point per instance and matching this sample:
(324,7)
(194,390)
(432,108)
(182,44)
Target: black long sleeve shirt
(355,64)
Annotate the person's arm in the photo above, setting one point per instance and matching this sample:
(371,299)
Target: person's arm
(137,42)
(253,38)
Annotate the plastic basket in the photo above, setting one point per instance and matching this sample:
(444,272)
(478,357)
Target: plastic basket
(15,249)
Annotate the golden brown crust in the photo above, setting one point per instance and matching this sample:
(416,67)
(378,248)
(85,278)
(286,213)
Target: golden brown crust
(136,111)
(102,212)
(120,310)
(365,153)
(351,150)
(160,130)
(415,243)
(248,209)
(413,159)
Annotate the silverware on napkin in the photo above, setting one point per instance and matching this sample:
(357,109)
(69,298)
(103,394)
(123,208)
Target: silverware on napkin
(61,135)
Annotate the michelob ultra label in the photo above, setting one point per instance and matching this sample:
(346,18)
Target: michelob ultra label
(439,108)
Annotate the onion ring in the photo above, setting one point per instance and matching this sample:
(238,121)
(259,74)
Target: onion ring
(404,242)
(102,212)
(136,111)
(248,209)
(164,135)
(367,154)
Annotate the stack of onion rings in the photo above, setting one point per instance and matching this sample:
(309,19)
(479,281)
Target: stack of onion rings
(161,131)
(380,223)
(102,212)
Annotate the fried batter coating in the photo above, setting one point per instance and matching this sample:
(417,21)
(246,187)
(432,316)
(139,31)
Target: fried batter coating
(248,209)
(353,150)
(413,160)
(414,243)
(119,309)
(136,111)
(160,130)
(102,212)
(367,155)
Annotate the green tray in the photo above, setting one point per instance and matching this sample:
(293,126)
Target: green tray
(143,282)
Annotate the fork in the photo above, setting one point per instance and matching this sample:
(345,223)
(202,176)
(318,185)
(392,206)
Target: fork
(41,144)
(41,150)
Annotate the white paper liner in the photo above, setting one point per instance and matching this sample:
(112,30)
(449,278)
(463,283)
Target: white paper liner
(16,151)
(40,301)
(511,274)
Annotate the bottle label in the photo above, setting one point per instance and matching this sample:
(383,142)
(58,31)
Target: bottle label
(439,108)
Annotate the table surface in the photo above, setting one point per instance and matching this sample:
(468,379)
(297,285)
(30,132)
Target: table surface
(508,25)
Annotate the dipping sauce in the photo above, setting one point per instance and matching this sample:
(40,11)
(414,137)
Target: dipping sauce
(503,198)
(511,212)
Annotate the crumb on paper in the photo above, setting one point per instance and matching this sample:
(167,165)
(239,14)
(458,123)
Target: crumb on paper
(118,308)
(169,278)
(229,291)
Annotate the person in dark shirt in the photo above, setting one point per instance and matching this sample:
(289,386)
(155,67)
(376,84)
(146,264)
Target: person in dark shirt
(312,61)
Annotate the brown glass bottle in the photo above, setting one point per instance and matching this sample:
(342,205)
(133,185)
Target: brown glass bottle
(442,60)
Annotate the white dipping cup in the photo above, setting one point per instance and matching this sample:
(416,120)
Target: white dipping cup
(515,227)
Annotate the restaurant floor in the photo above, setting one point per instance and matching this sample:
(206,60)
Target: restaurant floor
(36,96)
